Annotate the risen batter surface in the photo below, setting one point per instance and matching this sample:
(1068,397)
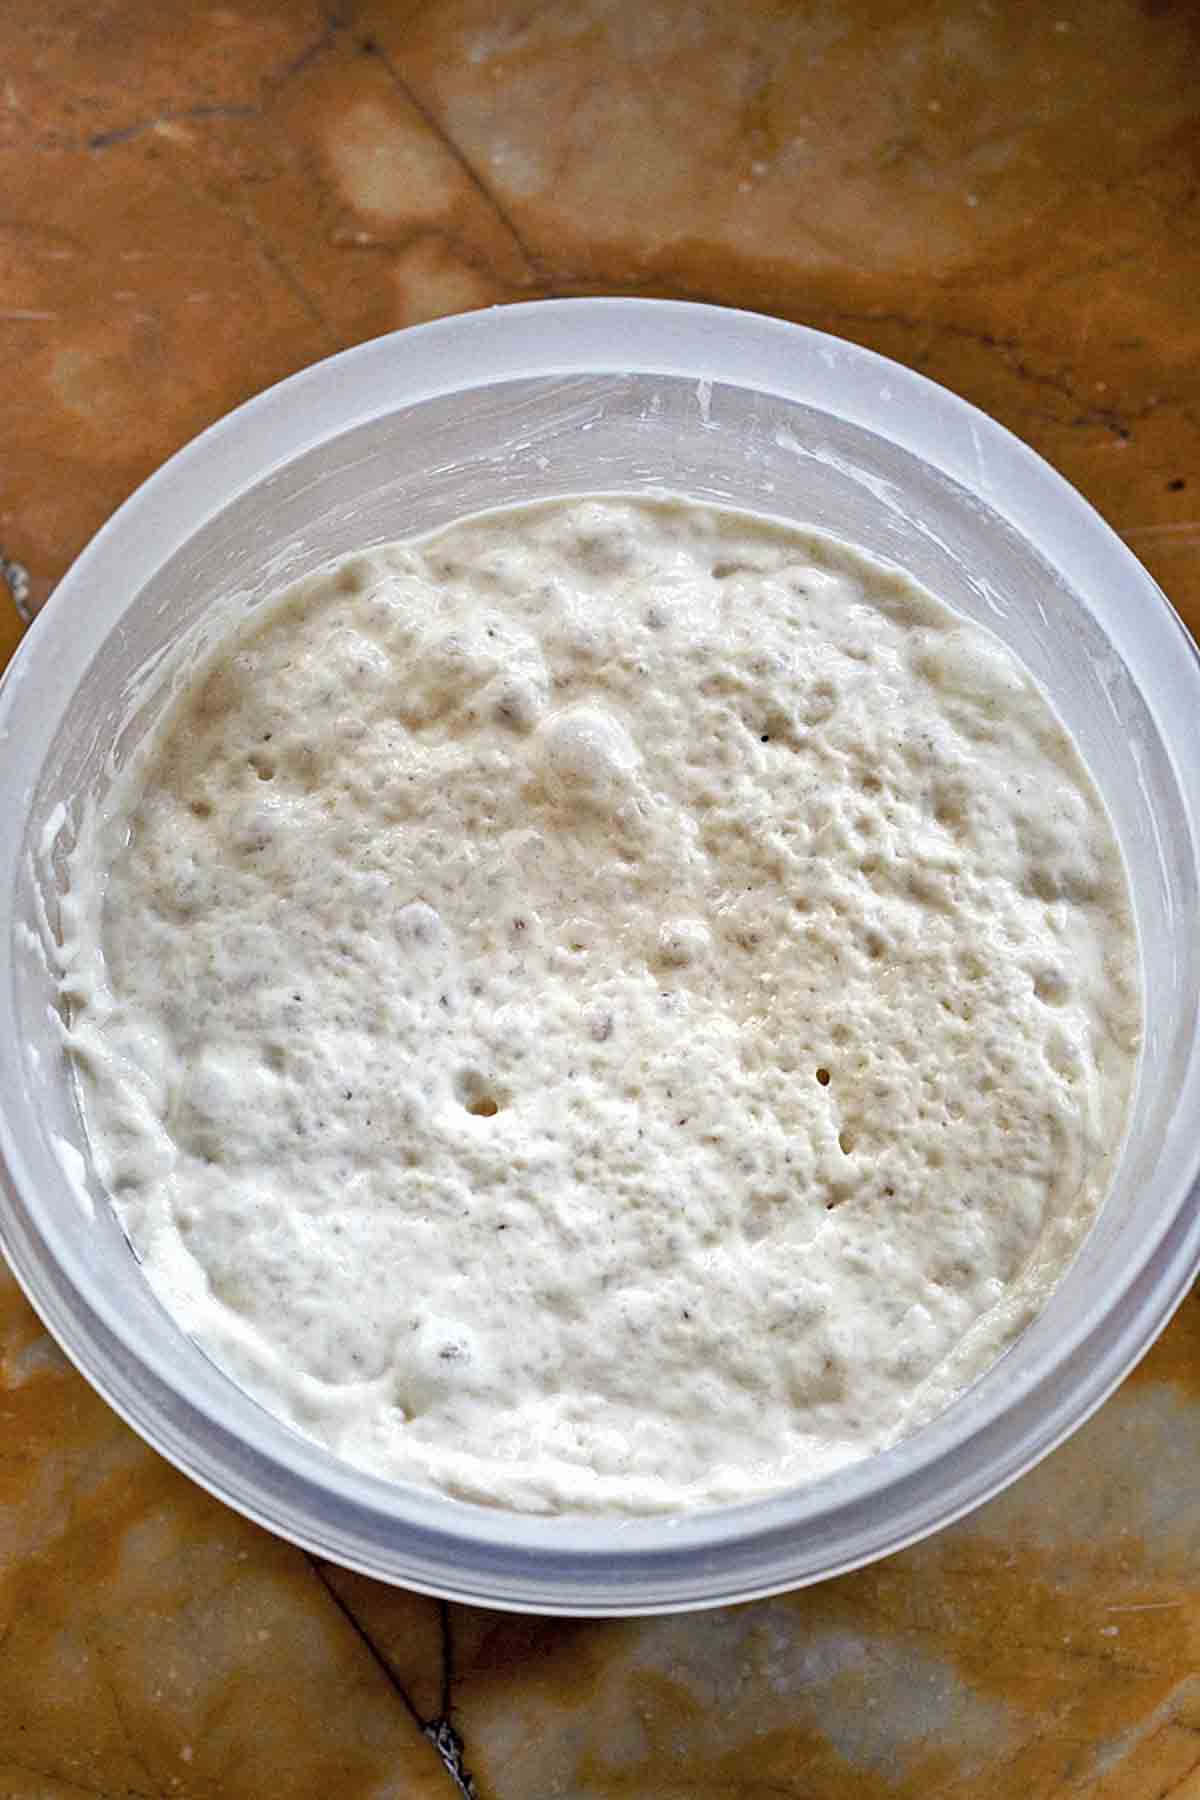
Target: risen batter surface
(615,1006)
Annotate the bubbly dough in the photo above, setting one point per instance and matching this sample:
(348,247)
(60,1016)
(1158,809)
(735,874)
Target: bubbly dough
(618,1005)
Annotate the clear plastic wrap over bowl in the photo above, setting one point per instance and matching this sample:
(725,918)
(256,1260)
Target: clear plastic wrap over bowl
(553,398)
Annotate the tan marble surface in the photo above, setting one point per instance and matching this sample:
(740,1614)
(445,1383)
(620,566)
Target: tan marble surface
(198,199)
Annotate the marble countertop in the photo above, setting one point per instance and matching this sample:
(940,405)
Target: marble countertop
(199,199)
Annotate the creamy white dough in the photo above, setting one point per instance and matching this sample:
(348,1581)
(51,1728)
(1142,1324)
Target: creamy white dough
(616,1006)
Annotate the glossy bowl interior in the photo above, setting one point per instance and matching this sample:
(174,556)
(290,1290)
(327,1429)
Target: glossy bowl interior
(395,437)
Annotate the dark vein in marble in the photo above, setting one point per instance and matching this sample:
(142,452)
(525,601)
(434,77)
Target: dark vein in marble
(188,176)
(378,1657)
(272,84)
(440,1731)
(124,134)
(482,187)
(157,1790)
(297,288)
(1119,421)
(447,1631)
(337,20)
(128,1736)
(1183,1785)
(70,1783)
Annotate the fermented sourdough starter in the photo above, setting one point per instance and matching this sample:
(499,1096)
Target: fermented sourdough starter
(614,1006)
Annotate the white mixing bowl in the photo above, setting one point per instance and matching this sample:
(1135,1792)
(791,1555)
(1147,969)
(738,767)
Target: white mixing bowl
(555,398)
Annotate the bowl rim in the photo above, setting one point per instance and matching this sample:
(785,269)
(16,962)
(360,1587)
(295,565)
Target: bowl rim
(709,346)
